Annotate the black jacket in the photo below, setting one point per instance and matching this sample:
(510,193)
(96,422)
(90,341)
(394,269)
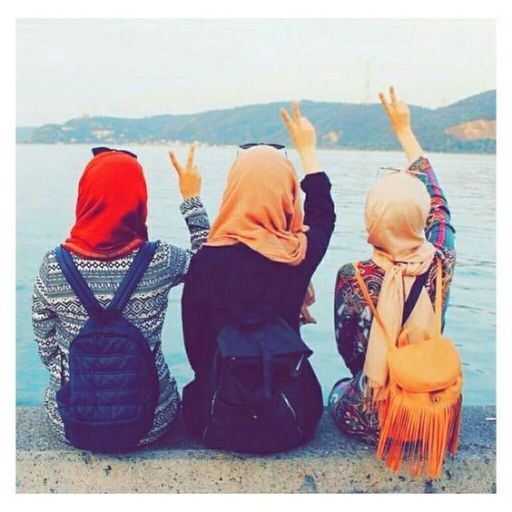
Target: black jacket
(231,282)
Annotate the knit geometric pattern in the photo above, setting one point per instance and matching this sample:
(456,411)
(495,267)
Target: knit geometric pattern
(58,315)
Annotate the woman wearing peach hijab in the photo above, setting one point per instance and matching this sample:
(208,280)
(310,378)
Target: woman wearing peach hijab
(258,260)
(408,226)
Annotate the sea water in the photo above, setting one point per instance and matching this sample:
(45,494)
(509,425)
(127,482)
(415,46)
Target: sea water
(47,182)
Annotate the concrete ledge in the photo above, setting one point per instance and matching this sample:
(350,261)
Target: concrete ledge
(330,463)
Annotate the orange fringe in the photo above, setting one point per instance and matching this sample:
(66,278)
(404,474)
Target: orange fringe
(419,434)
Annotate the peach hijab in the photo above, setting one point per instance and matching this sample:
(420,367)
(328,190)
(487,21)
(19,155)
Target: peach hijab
(261,207)
(396,212)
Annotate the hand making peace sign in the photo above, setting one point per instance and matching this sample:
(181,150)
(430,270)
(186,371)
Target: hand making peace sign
(397,111)
(399,116)
(303,135)
(189,177)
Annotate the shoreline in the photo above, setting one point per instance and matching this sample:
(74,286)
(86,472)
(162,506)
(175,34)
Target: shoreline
(207,145)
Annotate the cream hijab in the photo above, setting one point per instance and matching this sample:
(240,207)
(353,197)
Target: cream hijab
(396,212)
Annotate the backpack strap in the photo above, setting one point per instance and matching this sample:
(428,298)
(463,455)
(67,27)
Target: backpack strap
(77,282)
(416,290)
(411,299)
(134,274)
(438,309)
(83,292)
(414,295)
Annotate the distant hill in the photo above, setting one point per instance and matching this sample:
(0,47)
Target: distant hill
(24,134)
(465,126)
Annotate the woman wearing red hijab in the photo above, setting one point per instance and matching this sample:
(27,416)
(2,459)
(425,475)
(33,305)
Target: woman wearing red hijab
(110,228)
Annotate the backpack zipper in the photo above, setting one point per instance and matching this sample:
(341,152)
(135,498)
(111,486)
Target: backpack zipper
(212,406)
(292,410)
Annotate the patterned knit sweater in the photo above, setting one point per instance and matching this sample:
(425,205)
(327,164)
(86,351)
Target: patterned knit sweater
(58,316)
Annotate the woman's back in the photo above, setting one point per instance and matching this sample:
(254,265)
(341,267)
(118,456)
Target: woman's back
(145,308)
(58,316)
(256,265)
(397,299)
(352,316)
(109,230)
(233,283)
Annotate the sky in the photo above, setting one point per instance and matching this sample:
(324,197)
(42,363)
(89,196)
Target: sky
(133,68)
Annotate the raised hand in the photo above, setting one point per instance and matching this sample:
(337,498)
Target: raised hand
(399,117)
(302,132)
(189,177)
(398,112)
(303,135)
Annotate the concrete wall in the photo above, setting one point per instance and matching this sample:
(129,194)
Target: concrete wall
(330,463)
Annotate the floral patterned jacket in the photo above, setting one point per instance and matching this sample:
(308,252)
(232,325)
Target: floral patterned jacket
(353,317)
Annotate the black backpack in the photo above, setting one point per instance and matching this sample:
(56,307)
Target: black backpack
(108,404)
(259,388)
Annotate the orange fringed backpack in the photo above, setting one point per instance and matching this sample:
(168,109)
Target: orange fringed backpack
(420,416)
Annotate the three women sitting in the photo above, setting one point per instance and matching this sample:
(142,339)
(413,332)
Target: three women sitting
(254,389)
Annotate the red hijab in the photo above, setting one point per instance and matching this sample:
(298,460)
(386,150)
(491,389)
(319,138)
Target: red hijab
(111,208)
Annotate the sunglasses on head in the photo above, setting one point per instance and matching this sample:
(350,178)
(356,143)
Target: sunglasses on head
(271,144)
(386,171)
(104,149)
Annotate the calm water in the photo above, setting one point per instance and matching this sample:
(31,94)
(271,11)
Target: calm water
(47,178)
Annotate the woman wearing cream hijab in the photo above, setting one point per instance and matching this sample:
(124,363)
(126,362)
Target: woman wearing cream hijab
(259,258)
(408,226)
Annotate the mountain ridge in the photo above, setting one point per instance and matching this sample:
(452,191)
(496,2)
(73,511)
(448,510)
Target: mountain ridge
(338,125)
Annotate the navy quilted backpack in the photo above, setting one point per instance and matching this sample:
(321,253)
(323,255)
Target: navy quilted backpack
(108,404)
